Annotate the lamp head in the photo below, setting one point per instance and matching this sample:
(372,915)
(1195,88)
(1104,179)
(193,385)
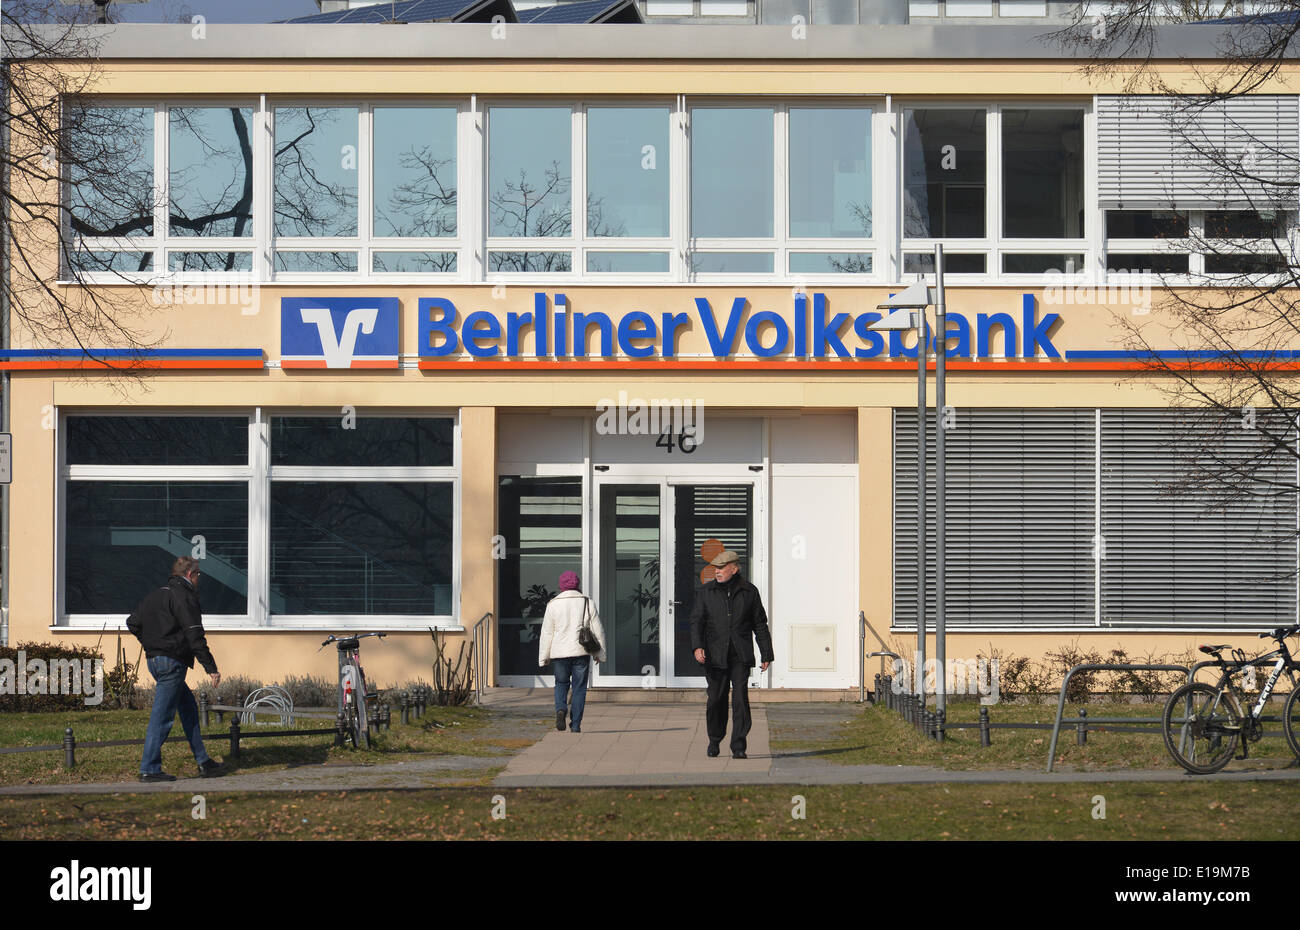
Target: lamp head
(916,296)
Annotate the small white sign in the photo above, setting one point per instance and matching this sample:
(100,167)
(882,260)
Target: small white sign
(6,458)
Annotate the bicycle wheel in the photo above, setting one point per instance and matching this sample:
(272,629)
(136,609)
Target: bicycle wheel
(361,736)
(354,709)
(1201,727)
(1291,721)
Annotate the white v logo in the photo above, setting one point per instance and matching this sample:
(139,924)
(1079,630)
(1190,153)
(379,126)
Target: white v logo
(338,350)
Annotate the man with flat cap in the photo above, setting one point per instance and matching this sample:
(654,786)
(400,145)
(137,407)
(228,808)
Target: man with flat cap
(727,617)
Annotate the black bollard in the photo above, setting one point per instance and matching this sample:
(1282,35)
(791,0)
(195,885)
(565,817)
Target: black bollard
(388,717)
(984,727)
(339,738)
(234,736)
(69,748)
(940,718)
(406,710)
(203,708)
(1083,727)
(875,693)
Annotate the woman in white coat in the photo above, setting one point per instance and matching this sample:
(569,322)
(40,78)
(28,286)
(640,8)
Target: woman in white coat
(565,616)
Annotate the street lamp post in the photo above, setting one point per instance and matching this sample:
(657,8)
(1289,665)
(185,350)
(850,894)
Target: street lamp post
(909,313)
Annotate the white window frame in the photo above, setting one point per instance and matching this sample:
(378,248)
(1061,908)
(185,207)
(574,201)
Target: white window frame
(782,244)
(442,474)
(120,244)
(994,245)
(230,474)
(1196,273)
(364,243)
(258,474)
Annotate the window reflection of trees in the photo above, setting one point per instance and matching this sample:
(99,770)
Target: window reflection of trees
(110,181)
(225,157)
(307,201)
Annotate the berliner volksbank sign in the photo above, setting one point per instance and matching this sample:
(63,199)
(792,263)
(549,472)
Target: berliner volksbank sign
(357,332)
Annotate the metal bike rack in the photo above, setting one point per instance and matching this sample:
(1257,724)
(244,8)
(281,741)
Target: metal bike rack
(273,699)
(1103,667)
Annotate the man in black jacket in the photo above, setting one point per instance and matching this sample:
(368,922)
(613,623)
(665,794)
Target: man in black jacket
(169,624)
(727,617)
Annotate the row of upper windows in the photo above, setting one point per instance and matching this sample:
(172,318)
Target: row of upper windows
(595,190)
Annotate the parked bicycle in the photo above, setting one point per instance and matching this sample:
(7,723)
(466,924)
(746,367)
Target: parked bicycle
(355,699)
(1204,737)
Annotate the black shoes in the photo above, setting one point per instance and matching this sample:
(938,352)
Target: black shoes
(739,755)
(156,776)
(712,750)
(559,720)
(212,769)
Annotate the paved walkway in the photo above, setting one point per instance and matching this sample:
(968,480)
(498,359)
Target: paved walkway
(663,742)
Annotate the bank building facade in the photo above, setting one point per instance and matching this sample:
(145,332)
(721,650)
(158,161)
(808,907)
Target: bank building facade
(435,311)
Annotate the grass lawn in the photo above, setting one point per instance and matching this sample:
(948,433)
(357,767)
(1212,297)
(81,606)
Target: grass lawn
(881,737)
(1191,811)
(461,733)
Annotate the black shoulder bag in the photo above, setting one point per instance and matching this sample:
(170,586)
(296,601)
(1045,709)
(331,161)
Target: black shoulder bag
(587,639)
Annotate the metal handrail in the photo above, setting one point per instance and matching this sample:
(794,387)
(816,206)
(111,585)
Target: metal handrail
(479,637)
(863,626)
(1099,667)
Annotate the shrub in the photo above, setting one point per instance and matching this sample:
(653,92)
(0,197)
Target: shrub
(1018,676)
(1083,684)
(232,690)
(311,690)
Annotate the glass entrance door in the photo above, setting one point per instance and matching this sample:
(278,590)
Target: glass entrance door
(641,527)
(630,597)
(707,519)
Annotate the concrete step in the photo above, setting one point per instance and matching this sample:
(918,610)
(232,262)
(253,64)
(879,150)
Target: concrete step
(672,695)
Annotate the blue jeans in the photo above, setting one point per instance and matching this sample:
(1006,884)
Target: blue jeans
(577,669)
(170,697)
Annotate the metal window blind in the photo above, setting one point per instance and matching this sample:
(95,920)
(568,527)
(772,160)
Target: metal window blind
(1155,152)
(1180,551)
(1020,518)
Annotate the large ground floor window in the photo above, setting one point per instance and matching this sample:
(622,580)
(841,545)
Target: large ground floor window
(1075,518)
(297,520)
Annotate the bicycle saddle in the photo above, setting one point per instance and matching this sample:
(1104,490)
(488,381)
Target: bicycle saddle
(1210,650)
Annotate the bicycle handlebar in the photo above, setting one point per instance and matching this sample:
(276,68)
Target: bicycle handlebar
(1281,633)
(334,638)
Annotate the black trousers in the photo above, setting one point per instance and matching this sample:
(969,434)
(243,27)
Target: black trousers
(735,677)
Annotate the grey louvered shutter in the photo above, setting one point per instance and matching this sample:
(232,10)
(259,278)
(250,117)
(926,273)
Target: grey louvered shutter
(1168,561)
(1157,152)
(1021,515)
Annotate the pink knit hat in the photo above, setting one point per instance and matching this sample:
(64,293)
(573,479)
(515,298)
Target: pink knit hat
(569,581)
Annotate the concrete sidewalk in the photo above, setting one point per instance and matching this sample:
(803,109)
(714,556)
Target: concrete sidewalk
(622,741)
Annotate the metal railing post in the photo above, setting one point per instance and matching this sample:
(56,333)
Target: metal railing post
(234,736)
(1082,727)
(69,748)
(984,727)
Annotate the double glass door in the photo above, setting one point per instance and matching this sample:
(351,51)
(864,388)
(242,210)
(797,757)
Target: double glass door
(654,539)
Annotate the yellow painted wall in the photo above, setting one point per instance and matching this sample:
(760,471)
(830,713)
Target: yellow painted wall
(638,77)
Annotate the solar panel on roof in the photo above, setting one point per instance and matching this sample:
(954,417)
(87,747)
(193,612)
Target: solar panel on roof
(583,11)
(410,11)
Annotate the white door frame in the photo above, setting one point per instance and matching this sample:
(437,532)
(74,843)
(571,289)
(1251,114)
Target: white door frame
(756,572)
